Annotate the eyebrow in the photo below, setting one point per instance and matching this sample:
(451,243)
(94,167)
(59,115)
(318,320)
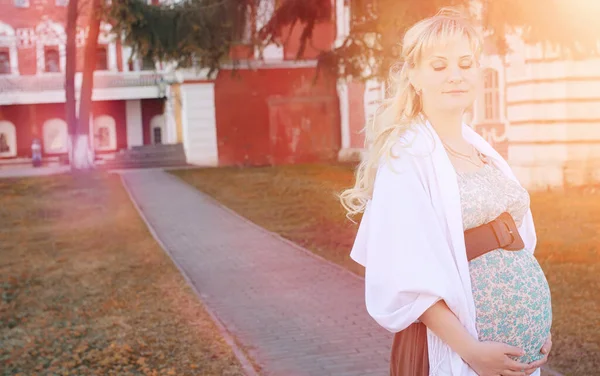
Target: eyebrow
(443,58)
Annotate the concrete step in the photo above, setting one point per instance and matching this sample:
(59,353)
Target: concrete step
(113,165)
(157,147)
(142,156)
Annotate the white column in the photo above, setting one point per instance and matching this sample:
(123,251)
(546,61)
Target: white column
(169,116)
(112,56)
(374,94)
(342,17)
(126,52)
(199,124)
(14,62)
(184,120)
(133,116)
(62,56)
(40,57)
(342,90)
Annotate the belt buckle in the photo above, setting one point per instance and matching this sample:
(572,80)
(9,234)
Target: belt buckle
(510,232)
(512,235)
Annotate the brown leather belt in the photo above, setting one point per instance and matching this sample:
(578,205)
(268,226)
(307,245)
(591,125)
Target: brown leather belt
(502,233)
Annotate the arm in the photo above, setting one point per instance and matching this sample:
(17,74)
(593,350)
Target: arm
(404,250)
(485,358)
(441,321)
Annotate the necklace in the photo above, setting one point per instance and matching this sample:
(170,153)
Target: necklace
(467,157)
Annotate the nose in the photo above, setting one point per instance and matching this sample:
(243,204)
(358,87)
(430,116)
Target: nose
(455,74)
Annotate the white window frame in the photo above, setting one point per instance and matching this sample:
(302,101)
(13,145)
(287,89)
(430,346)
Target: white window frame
(22,3)
(8,40)
(56,37)
(491,104)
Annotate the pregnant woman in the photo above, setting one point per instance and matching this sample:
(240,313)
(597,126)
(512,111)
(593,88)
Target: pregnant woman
(447,236)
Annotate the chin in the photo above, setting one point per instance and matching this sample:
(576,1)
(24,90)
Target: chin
(455,105)
(453,108)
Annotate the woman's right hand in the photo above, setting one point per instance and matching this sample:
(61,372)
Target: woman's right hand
(492,359)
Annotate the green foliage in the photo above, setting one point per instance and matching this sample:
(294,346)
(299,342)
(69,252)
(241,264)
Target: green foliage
(292,12)
(192,33)
(202,32)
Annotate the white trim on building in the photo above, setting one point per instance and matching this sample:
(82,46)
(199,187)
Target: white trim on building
(199,124)
(8,40)
(133,119)
(50,34)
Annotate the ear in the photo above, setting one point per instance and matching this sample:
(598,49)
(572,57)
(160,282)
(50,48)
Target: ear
(413,79)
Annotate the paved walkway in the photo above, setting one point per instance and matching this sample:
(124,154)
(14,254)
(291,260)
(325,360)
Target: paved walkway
(27,171)
(294,313)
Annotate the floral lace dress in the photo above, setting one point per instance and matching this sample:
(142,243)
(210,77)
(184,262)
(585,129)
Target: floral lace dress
(511,294)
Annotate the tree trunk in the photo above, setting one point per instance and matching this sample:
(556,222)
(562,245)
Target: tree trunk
(71,53)
(84,151)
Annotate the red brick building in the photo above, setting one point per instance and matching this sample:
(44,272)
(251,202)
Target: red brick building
(32,75)
(270,111)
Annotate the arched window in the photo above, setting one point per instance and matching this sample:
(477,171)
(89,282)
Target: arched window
(158,129)
(50,46)
(51,60)
(491,96)
(55,136)
(8,139)
(8,50)
(101,58)
(5,62)
(105,133)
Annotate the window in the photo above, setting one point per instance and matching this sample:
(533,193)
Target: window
(103,137)
(22,3)
(105,134)
(491,95)
(4,146)
(5,62)
(101,58)
(8,139)
(157,133)
(51,60)
(148,63)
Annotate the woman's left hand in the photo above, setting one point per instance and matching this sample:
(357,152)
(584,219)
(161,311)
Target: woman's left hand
(538,363)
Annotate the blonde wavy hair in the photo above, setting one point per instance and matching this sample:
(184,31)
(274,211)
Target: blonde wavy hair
(403,107)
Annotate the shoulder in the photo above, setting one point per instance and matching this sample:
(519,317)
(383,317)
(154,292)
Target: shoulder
(417,141)
(413,149)
(409,159)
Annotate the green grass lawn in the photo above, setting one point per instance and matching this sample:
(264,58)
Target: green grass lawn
(299,203)
(85,289)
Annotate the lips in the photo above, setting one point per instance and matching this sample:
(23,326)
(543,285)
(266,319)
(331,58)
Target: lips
(455,92)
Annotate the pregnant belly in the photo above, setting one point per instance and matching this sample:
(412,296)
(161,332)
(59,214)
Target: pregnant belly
(513,301)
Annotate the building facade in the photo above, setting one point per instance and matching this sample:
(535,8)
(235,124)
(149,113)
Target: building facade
(538,111)
(128,104)
(265,111)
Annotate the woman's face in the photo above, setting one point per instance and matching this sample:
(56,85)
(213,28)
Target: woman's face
(448,76)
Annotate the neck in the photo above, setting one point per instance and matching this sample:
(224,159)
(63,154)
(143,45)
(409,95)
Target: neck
(448,125)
